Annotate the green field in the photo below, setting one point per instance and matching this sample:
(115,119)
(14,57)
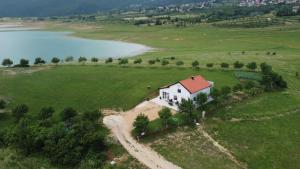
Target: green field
(266,144)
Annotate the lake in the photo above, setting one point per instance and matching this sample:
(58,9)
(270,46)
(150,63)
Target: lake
(18,43)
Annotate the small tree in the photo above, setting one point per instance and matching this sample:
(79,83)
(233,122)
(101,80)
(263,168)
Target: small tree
(39,61)
(251,65)
(209,65)
(201,99)
(225,91)
(55,60)
(82,59)
(137,61)
(24,63)
(94,59)
(238,65)
(187,107)
(69,59)
(165,62)
(297,74)
(2,104)
(165,115)
(141,124)
(109,60)
(195,63)
(237,87)
(46,113)
(7,62)
(179,63)
(224,65)
(123,61)
(151,62)
(67,114)
(19,111)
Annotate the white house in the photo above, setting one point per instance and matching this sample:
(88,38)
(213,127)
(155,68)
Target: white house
(185,89)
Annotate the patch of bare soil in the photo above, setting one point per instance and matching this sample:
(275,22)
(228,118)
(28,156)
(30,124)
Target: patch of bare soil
(30,70)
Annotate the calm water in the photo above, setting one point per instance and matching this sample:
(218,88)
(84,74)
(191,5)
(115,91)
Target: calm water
(19,44)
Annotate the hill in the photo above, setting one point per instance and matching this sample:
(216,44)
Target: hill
(21,8)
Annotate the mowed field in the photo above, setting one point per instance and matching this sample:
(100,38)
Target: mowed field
(264,133)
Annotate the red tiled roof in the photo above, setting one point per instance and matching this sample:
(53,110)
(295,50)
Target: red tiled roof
(195,83)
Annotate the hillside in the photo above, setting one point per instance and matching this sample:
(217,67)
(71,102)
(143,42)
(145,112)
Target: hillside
(21,8)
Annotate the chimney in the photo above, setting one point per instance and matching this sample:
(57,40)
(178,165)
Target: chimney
(193,77)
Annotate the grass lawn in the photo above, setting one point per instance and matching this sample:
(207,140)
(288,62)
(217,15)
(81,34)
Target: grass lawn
(94,87)
(269,144)
(190,150)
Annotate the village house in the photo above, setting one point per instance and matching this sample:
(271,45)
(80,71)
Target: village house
(187,89)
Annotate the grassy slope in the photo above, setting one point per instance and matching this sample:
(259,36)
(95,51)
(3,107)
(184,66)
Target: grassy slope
(93,87)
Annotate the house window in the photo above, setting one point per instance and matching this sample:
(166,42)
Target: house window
(175,97)
(179,90)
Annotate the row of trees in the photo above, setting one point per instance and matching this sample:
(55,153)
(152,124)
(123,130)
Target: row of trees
(236,65)
(66,140)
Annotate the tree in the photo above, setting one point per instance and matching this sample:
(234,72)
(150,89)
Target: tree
(195,63)
(138,61)
(23,63)
(209,65)
(141,124)
(238,65)
(179,63)
(265,68)
(69,59)
(165,115)
(251,65)
(2,104)
(225,91)
(109,60)
(224,65)
(201,99)
(55,60)
(123,61)
(165,62)
(216,96)
(7,62)
(82,59)
(151,62)
(39,61)
(67,114)
(93,59)
(237,87)
(187,107)
(45,113)
(92,115)
(19,111)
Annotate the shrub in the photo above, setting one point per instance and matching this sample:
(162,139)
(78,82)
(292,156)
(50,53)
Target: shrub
(157,60)
(165,114)
(82,59)
(224,65)
(123,61)
(19,111)
(138,61)
(55,60)
(210,65)
(93,59)
(141,124)
(249,85)
(237,87)
(164,62)
(151,62)
(173,58)
(179,63)
(7,62)
(69,59)
(251,65)
(67,114)
(195,63)
(2,104)
(46,113)
(109,60)
(238,65)
(39,61)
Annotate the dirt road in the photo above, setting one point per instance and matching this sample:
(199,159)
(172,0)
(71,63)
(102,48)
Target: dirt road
(121,126)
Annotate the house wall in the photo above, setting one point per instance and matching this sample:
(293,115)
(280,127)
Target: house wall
(185,94)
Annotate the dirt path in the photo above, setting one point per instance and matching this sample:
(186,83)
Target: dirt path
(121,126)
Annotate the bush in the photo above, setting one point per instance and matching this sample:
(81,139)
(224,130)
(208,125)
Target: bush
(67,114)
(251,66)
(94,59)
(19,111)
(141,124)
(138,61)
(82,59)
(69,59)
(164,62)
(210,65)
(249,85)
(179,63)
(39,61)
(238,65)
(46,113)
(55,60)
(2,104)
(165,114)
(123,61)
(237,87)
(109,60)
(195,63)
(172,58)
(7,62)
(151,62)
(224,65)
